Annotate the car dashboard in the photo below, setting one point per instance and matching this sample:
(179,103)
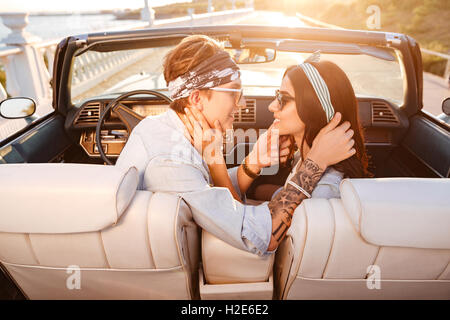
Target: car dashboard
(383,123)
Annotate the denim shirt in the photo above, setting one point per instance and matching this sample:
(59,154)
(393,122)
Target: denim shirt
(167,162)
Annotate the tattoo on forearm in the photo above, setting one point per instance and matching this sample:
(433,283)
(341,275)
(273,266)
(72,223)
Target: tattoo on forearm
(282,207)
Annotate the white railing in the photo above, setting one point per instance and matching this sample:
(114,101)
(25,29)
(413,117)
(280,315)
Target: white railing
(4,61)
(92,68)
(28,75)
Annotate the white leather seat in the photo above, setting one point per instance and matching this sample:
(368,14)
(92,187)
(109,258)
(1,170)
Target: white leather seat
(231,273)
(394,230)
(128,244)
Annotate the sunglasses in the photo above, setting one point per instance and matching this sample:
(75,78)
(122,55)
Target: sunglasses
(240,91)
(282,98)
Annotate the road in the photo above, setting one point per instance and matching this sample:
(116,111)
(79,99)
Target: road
(435,90)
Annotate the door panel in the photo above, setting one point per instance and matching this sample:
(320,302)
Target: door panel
(40,144)
(424,152)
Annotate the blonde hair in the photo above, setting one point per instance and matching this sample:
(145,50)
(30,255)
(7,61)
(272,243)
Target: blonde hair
(187,55)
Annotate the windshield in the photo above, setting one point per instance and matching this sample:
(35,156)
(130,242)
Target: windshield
(99,73)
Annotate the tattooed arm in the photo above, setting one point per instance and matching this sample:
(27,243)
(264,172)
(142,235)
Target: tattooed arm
(282,207)
(331,145)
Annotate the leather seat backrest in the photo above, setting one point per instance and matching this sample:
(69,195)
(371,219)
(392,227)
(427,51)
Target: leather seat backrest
(73,231)
(391,233)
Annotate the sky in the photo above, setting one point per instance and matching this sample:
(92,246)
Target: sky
(77,6)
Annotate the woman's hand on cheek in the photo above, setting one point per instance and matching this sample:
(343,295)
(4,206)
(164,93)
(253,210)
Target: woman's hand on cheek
(286,144)
(265,152)
(206,140)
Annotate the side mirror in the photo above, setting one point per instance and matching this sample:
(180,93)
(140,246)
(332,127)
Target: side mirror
(446,106)
(252,55)
(17,108)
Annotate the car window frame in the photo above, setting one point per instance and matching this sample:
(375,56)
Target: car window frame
(138,37)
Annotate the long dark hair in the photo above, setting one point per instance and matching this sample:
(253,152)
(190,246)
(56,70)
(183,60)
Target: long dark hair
(312,114)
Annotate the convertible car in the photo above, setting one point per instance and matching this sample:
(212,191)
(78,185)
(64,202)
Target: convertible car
(74,226)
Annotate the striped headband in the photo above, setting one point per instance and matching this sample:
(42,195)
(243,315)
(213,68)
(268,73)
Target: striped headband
(319,85)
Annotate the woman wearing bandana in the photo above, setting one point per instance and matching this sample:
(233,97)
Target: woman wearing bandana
(204,82)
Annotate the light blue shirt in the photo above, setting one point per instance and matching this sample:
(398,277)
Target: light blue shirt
(167,162)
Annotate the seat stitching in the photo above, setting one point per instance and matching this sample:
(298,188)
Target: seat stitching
(104,250)
(32,249)
(116,198)
(117,192)
(289,271)
(385,280)
(374,261)
(202,241)
(187,275)
(334,238)
(297,267)
(440,274)
(359,208)
(147,234)
(270,267)
(88,269)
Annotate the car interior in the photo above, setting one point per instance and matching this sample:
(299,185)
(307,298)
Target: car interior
(66,204)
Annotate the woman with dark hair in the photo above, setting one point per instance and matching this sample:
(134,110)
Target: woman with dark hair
(309,96)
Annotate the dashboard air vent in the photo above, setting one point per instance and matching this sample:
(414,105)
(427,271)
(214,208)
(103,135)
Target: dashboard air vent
(90,114)
(382,113)
(246,114)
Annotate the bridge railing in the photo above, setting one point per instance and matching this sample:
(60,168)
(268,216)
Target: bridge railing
(27,61)
(4,54)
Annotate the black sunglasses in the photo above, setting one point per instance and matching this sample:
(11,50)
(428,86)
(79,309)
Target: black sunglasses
(282,98)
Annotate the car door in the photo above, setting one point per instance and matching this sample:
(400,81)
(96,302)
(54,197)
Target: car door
(425,149)
(39,140)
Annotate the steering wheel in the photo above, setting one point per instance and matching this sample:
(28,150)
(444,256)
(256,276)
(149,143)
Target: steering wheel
(125,114)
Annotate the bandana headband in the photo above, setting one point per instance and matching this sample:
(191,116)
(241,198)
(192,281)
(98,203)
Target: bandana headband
(214,71)
(319,85)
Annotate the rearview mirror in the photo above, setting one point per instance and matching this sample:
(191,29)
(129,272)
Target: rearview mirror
(446,106)
(252,55)
(17,108)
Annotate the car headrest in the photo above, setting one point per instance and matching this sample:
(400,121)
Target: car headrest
(63,198)
(404,212)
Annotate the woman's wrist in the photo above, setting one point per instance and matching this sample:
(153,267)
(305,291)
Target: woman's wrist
(252,163)
(250,170)
(317,160)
